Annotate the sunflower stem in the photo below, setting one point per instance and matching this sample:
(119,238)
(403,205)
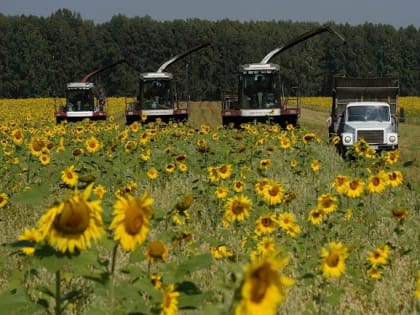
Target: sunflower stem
(114,258)
(57,293)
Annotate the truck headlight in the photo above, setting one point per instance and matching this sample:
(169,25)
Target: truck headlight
(347,139)
(392,138)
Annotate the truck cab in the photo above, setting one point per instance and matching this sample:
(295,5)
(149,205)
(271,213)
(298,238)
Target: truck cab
(371,121)
(365,109)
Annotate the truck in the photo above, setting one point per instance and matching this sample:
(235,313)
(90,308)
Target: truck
(157,97)
(259,97)
(83,99)
(364,108)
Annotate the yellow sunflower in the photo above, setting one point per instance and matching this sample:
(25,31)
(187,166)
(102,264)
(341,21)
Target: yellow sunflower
(264,287)
(213,174)
(224,171)
(260,185)
(237,208)
(266,224)
(69,176)
(30,235)
(221,192)
(238,185)
(131,219)
(99,191)
(316,215)
(315,165)
(341,184)
(392,157)
(17,136)
(44,159)
(395,178)
(3,200)
(333,259)
(152,173)
(170,168)
(273,192)
(220,252)
(37,145)
(374,272)
(92,145)
(266,246)
(182,167)
(285,142)
(355,188)
(327,202)
(169,305)
(399,214)
(376,183)
(378,256)
(293,163)
(73,223)
(265,164)
(286,219)
(156,251)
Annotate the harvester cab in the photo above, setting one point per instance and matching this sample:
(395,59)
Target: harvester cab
(259,95)
(84,99)
(156,97)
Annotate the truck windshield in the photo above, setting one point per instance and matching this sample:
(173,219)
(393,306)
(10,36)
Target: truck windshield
(258,90)
(368,113)
(156,94)
(79,100)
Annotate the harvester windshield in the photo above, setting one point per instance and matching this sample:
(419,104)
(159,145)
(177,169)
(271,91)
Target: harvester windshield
(156,94)
(259,90)
(79,100)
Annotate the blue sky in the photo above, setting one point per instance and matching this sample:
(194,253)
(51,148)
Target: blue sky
(399,13)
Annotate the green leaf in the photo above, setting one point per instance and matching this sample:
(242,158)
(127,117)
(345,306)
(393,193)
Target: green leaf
(32,196)
(192,264)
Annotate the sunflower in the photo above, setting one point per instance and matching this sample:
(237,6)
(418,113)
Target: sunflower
(185,203)
(260,185)
(315,165)
(266,224)
(99,191)
(131,218)
(129,146)
(265,164)
(336,139)
(143,117)
(273,192)
(170,168)
(355,188)
(285,142)
(220,252)
(341,184)
(333,260)
(310,137)
(17,136)
(156,280)
(77,152)
(169,305)
(266,245)
(44,159)
(395,178)
(293,163)
(37,146)
(135,127)
(392,157)
(30,235)
(264,287)
(152,173)
(224,171)
(293,230)
(238,185)
(221,192)
(316,215)
(73,223)
(286,219)
(374,272)
(399,214)
(3,200)
(327,202)
(378,256)
(182,167)
(156,251)
(69,176)
(213,174)
(92,145)
(237,208)
(376,183)
(348,214)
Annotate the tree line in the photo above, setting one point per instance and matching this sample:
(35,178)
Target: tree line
(39,55)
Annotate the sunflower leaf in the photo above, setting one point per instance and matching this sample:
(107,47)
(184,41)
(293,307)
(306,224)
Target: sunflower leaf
(31,196)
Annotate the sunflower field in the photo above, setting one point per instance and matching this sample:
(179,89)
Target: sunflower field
(105,218)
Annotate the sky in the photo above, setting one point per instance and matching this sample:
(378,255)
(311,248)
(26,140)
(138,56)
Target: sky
(398,13)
